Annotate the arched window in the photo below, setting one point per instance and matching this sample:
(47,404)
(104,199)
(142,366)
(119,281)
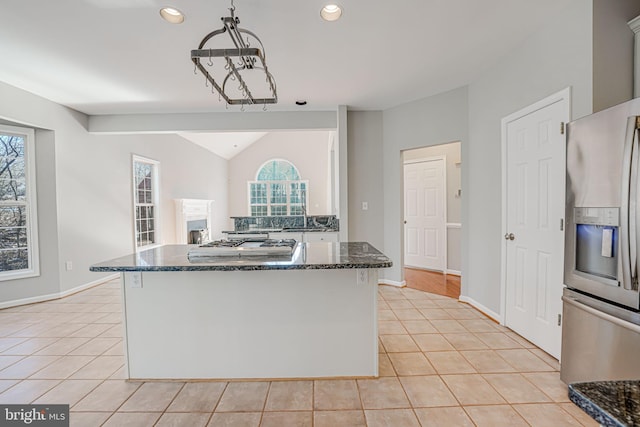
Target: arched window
(278,190)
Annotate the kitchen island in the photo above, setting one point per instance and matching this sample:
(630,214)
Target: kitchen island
(309,315)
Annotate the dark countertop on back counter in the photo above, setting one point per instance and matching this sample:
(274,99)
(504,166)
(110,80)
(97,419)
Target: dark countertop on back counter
(281,230)
(307,256)
(611,403)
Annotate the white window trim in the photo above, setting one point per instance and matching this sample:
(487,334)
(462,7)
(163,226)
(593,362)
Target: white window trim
(288,188)
(156,201)
(31,203)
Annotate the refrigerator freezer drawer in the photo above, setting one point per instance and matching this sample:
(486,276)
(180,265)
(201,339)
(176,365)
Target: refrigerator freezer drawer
(598,344)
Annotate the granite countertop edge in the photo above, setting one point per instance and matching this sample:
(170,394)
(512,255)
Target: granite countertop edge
(595,410)
(257,267)
(311,256)
(282,230)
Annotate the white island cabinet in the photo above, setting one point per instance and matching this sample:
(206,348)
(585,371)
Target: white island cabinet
(311,315)
(321,236)
(295,235)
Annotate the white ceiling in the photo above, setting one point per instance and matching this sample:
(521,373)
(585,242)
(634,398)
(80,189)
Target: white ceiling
(224,144)
(119,56)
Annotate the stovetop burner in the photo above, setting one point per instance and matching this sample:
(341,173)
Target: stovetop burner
(275,243)
(244,248)
(223,244)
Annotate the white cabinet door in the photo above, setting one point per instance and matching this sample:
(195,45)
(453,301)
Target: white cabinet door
(317,236)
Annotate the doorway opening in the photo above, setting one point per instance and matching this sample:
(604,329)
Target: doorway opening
(432,198)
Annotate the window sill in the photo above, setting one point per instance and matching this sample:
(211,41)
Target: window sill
(19,274)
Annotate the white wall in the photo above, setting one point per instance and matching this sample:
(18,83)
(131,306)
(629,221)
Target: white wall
(557,56)
(613,45)
(365,177)
(307,150)
(84,189)
(431,121)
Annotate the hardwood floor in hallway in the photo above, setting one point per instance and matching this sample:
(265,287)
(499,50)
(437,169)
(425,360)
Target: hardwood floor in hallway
(432,281)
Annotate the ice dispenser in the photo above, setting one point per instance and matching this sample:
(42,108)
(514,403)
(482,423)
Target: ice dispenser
(597,243)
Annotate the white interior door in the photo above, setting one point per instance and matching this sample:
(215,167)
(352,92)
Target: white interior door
(535,200)
(425,214)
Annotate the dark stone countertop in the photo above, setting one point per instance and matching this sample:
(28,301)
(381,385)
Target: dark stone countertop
(307,256)
(281,230)
(611,403)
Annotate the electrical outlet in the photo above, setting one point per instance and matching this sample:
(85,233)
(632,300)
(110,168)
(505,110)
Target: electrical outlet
(135,279)
(362,276)
(68,265)
(365,206)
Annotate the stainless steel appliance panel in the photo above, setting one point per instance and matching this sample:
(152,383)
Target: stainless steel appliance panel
(602,169)
(600,341)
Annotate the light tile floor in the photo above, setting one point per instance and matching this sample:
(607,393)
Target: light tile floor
(442,363)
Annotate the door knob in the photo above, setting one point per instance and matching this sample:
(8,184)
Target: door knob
(509,236)
(405,222)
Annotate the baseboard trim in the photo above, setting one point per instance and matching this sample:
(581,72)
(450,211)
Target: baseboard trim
(392,283)
(57,295)
(487,312)
(454,273)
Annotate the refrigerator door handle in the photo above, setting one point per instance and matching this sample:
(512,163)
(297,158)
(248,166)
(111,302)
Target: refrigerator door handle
(626,215)
(583,305)
(633,209)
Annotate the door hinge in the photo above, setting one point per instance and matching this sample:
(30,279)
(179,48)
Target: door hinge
(559,319)
(561,224)
(561,128)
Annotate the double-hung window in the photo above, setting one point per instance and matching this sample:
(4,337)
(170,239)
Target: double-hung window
(277,190)
(18,222)
(145,201)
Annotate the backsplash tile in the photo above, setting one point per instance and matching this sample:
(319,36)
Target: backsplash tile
(325,222)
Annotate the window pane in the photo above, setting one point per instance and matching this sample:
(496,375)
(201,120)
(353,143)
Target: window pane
(13,216)
(258,193)
(12,168)
(144,209)
(278,170)
(13,238)
(258,211)
(11,146)
(12,189)
(143,176)
(14,260)
(278,210)
(278,193)
(296,210)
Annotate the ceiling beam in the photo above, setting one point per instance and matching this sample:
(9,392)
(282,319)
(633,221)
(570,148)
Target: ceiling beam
(212,122)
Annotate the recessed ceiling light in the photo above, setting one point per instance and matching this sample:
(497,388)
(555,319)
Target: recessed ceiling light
(331,12)
(172,15)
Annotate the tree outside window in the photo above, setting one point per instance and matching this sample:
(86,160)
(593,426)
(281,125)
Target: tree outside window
(18,233)
(145,193)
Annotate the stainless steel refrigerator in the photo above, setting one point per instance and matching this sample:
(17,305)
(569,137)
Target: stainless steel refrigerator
(601,317)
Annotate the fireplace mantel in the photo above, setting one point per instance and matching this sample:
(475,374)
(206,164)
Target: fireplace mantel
(191,210)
